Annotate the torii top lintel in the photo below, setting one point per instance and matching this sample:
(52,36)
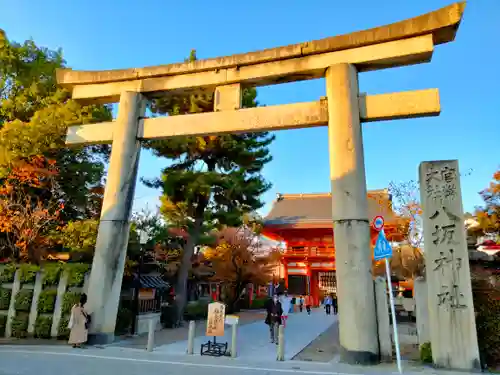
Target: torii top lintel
(441,24)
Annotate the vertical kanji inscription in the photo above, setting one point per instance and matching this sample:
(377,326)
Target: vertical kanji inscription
(451,310)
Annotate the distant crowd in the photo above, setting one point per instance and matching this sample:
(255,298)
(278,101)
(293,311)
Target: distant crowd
(279,306)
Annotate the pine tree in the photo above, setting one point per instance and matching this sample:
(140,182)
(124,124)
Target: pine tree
(212,181)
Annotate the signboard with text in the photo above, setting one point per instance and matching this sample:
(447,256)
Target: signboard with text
(215,319)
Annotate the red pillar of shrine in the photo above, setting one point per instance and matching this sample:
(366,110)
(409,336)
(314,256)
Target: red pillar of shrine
(308,279)
(285,273)
(315,288)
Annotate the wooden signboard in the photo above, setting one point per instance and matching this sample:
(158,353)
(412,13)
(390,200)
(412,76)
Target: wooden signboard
(215,320)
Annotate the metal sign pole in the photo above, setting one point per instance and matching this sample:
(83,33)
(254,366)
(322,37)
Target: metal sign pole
(393,313)
(383,250)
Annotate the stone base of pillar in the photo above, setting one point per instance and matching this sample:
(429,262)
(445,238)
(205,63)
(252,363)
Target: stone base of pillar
(100,338)
(357,314)
(358,358)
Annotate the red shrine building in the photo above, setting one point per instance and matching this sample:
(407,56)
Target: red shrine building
(303,223)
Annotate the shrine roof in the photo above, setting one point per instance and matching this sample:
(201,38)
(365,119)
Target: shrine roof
(303,209)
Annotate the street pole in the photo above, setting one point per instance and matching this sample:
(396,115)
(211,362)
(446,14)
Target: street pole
(143,239)
(393,313)
(137,286)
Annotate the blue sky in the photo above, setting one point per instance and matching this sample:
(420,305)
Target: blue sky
(109,34)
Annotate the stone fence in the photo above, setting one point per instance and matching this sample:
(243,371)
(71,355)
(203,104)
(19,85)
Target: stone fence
(36,301)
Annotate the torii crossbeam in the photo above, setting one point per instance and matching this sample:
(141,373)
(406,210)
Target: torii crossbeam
(339,59)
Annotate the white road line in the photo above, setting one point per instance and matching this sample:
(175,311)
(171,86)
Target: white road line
(232,367)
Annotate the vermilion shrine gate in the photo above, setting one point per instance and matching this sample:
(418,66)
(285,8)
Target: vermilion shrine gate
(304,223)
(339,59)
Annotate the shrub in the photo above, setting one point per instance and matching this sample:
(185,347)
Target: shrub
(5,295)
(3,323)
(23,300)
(76,273)
(426,352)
(487,308)
(51,274)
(20,325)
(123,321)
(47,301)
(69,300)
(63,330)
(43,326)
(258,303)
(196,311)
(168,316)
(7,273)
(28,273)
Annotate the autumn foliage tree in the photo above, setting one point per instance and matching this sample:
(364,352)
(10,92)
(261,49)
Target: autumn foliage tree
(489,215)
(405,203)
(407,261)
(34,116)
(28,207)
(237,260)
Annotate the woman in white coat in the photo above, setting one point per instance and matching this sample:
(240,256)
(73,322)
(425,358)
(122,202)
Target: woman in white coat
(286,303)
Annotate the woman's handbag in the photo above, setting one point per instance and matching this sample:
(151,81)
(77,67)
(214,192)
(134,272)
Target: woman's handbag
(88,319)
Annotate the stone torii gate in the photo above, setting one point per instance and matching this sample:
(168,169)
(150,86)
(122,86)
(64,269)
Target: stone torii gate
(339,59)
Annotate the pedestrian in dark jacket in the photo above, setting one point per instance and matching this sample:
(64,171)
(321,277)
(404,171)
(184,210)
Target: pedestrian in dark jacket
(335,304)
(273,317)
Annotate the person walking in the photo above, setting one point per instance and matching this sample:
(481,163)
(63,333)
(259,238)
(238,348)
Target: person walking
(286,303)
(328,304)
(273,317)
(293,303)
(335,304)
(301,303)
(78,323)
(309,303)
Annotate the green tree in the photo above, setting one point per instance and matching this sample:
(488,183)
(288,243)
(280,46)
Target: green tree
(34,116)
(211,181)
(78,237)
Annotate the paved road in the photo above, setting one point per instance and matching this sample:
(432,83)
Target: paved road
(172,335)
(123,361)
(44,360)
(253,338)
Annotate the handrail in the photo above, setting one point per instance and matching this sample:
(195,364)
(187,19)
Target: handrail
(309,251)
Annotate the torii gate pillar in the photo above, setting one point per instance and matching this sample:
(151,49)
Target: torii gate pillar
(108,264)
(357,315)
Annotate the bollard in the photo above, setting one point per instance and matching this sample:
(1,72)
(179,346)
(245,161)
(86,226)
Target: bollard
(234,338)
(281,343)
(192,328)
(151,335)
